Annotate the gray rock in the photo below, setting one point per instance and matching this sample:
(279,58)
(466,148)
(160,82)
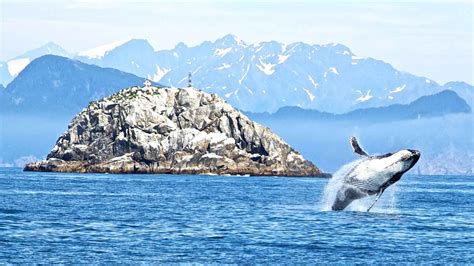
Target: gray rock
(168,130)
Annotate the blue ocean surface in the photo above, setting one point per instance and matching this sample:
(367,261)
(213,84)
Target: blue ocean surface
(83,218)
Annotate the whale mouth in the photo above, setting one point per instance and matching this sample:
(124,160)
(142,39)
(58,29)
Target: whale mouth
(415,156)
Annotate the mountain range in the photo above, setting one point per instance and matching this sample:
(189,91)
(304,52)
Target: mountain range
(265,76)
(54,83)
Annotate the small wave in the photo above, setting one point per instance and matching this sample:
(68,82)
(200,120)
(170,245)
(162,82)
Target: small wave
(32,192)
(74,193)
(444,183)
(10,211)
(439,190)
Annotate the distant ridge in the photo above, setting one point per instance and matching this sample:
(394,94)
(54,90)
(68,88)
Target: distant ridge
(439,104)
(57,84)
(10,69)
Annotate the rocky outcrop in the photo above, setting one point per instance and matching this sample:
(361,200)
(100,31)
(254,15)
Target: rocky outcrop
(168,130)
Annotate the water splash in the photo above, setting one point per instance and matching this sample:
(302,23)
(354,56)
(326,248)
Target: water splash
(335,183)
(386,203)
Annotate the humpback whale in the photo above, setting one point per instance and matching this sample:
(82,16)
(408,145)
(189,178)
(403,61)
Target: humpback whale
(372,175)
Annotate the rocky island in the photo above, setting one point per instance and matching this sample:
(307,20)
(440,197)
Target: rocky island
(170,130)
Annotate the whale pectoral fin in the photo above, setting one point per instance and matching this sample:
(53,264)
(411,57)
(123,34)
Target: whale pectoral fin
(357,149)
(379,194)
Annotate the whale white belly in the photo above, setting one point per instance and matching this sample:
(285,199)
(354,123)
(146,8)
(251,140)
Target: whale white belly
(369,175)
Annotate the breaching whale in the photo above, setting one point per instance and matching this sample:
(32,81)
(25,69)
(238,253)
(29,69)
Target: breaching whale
(372,175)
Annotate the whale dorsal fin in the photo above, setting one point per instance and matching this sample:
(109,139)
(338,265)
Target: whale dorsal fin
(357,149)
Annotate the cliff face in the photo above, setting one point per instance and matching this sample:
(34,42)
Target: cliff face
(165,130)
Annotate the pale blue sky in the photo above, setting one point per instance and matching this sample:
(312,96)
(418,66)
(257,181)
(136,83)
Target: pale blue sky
(427,38)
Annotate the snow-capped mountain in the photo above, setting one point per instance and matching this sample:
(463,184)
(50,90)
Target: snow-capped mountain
(99,52)
(132,56)
(263,76)
(268,75)
(10,69)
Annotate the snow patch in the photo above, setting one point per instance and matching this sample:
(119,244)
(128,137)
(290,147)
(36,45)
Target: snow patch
(268,69)
(239,41)
(17,65)
(222,52)
(310,95)
(331,70)
(355,59)
(282,58)
(196,70)
(315,84)
(160,73)
(100,51)
(227,95)
(245,74)
(364,98)
(224,66)
(398,89)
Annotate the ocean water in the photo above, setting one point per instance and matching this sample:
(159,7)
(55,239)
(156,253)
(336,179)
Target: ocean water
(83,218)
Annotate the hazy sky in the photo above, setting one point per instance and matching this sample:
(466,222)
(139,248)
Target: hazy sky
(427,38)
